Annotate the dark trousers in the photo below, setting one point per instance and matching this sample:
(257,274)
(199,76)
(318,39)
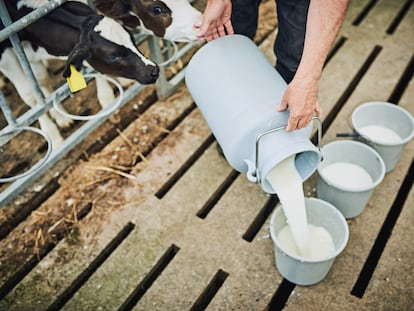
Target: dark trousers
(288,47)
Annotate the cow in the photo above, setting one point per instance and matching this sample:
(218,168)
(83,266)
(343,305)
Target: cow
(75,33)
(172,20)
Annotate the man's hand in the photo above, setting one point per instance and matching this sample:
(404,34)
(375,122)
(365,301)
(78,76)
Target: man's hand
(216,20)
(301,97)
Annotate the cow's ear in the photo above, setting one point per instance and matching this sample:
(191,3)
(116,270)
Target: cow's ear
(89,24)
(81,50)
(130,21)
(113,8)
(76,58)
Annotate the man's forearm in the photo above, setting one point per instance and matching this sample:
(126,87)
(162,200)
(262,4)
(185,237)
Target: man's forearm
(325,18)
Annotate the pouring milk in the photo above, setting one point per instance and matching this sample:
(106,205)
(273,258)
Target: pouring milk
(298,237)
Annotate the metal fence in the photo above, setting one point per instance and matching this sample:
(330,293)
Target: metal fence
(164,87)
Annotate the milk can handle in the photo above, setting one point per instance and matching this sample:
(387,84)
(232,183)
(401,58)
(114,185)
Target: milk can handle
(278,129)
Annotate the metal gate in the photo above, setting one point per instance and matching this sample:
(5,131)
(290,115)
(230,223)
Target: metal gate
(164,55)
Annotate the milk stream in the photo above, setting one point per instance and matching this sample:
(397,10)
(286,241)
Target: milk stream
(302,239)
(347,175)
(380,134)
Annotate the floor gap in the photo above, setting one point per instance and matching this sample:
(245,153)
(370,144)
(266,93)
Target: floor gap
(149,279)
(260,219)
(364,12)
(281,296)
(402,82)
(216,196)
(162,191)
(399,17)
(337,46)
(210,291)
(19,168)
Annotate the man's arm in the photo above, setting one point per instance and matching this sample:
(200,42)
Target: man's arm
(324,20)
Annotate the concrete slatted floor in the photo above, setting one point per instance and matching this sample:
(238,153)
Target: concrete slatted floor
(194,233)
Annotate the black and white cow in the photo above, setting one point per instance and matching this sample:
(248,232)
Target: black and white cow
(169,19)
(72,32)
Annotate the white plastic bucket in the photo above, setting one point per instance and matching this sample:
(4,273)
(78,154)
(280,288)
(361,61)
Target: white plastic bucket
(389,116)
(350,201)
(303,271)
(237,90)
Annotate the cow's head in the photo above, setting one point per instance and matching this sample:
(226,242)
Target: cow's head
(169,19)
(110,49)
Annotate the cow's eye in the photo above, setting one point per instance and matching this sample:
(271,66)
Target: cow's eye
(113,58)
(156,10)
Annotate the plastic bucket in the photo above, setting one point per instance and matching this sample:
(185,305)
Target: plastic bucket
(237,91)
(391,117)
(303,271)
(351,201)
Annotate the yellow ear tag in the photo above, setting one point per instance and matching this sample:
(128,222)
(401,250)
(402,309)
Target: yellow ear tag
(76,81)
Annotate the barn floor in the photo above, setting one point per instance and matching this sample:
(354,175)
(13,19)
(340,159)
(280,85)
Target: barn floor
(146,215)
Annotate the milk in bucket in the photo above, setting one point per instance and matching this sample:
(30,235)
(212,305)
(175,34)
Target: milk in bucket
(380,134)
(308,271)
(298,237)
(347,175)
(385,127)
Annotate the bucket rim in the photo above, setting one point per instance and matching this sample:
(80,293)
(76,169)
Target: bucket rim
(387,104)
(362,145)
(338,250)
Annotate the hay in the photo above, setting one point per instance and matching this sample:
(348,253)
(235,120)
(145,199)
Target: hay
(112,171)
(132,146)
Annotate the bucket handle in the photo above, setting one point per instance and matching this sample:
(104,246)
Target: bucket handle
(356,136)
(260,136)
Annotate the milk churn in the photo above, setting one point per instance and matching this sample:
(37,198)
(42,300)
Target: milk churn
(237,91)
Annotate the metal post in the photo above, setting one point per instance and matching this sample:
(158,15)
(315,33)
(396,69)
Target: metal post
(11,120)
